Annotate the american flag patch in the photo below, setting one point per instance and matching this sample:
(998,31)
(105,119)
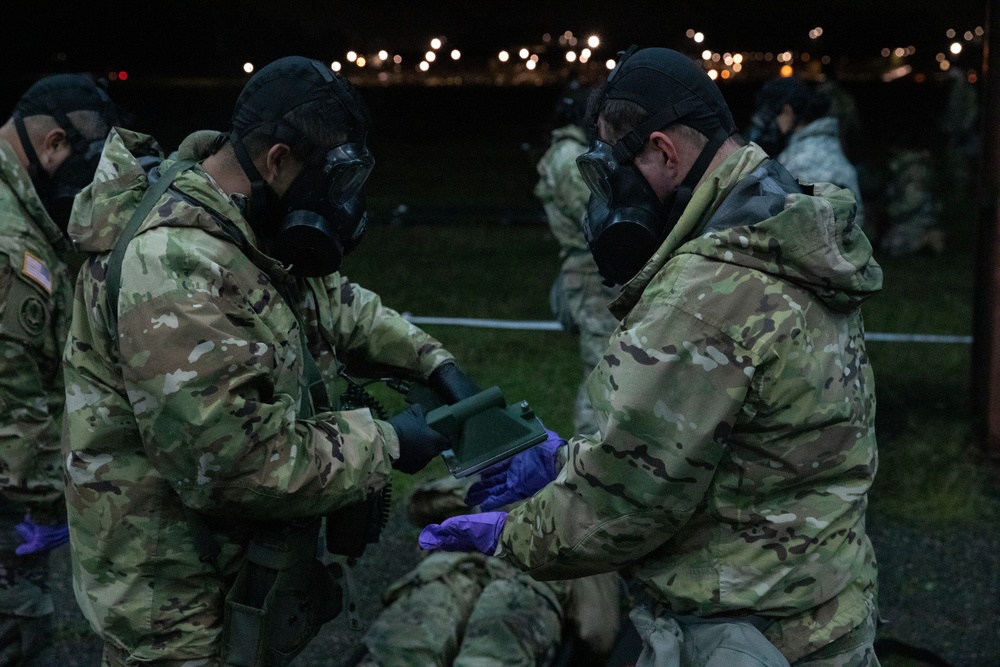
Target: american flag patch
(35,269)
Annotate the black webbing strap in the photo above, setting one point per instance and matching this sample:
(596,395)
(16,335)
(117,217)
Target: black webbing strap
(113,278)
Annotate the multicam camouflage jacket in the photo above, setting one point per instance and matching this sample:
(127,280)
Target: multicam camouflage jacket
(814,155)
(736,409)
(196,403)
(36,297)
(563,192)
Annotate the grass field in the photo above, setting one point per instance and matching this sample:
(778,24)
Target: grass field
(929,469)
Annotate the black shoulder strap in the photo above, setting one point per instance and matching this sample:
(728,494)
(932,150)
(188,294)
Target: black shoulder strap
(113,278)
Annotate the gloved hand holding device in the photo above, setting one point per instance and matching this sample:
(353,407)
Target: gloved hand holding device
(418,442)
(518,477)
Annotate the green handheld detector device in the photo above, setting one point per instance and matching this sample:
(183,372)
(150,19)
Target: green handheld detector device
(488,430)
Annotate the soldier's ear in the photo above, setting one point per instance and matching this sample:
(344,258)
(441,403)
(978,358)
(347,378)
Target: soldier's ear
(54,149)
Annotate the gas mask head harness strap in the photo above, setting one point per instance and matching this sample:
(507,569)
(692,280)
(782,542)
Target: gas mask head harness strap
(321,216)
(57,96)
(626,220)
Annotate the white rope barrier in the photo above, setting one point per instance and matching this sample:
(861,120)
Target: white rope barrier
(545,325)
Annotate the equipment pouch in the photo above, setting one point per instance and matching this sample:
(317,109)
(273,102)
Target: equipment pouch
(281,598)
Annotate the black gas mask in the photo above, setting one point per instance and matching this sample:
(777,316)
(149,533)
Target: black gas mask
(319,227)
(321,216)
(56,96)
(626,221)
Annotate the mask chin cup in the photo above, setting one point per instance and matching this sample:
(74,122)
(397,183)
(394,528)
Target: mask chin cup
(308,244)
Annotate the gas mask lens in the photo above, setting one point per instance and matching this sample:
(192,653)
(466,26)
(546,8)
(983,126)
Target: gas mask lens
(347,167)
(596,167)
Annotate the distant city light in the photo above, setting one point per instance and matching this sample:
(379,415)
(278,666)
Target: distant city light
(335,66)
(899,52)
(430,56)
(689,33)
(424,65)
(886,53)
(360,62)
(503,56)
(979,31)
(713,75)
(383,55)
(247,67)
(570,56)
(609,63)
(352,56)
(955,48)
(122,75)
(816,33)
(896,73)
(725,74)
(530,64)
(398,59)
(737,58)
(523,53)
(950,33)
(699,37)
(968,35)
(939,57)
(593,41)
(455,54)
(786,71)
(435,43)
(944,65)
(586,53)
(706,55)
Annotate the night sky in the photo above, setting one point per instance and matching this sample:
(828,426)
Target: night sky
(209,37)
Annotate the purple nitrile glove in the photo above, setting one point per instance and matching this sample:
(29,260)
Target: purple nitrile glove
(466,532)
(518,477)
(40,538)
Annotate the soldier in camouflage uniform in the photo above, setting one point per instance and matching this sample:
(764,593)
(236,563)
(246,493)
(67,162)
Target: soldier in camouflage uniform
(472,610)
(794,123)
(736,402)
(578,296)
(43,164)
(190,420)
(910,206)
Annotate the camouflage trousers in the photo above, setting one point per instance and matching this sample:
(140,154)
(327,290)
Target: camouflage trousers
(466,610)
(579,300)
(25,603)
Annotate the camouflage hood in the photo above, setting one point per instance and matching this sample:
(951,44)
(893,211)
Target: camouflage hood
(751,212)
(102,210)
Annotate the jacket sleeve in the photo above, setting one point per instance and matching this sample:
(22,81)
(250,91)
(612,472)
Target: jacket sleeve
(372,338)
(30,458)
(667,391)
(214,376)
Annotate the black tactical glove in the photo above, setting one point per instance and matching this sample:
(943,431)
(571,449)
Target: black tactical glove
(452,384)
(418,442)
